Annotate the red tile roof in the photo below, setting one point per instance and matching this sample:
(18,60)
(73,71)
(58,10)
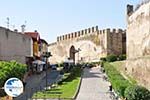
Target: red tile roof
(34,35)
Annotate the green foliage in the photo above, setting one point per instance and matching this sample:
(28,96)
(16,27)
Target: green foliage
(122,57)
(94,63)
(119,83)
(103,59)
(75,72)
(111,58)
(132,80)
(11,69)
(61,64)
(66,88)
(135,92)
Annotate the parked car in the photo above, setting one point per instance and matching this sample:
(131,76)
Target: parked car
(53,67)
(89,65)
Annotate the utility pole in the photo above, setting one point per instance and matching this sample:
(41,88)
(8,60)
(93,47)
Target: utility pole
(47,55)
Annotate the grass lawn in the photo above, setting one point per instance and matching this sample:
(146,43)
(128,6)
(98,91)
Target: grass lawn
(67,89)
(120,66)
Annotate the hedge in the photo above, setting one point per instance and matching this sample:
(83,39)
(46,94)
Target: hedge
(11,69)
(135,92)
(111,58)
(122,57)
(119,83)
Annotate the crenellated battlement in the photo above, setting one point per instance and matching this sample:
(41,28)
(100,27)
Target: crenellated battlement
(131,9)
(77,34)
(91,30)
(100,43)
(117,31)
(112,31)
(104,31)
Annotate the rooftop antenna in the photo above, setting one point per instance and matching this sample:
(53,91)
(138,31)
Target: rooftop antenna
(23,27)
(8,22)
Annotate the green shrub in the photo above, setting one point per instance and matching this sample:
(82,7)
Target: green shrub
(119,83)
(119,86)
(136,92)
(111,58)
(11,69)
(122,57)
(61,64)
(74,73)
(102,63)
(103,59)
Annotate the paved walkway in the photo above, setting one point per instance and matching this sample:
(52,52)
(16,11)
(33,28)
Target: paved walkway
(93,87)
(36,83)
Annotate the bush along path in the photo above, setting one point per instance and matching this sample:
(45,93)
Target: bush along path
(123,87)
(9,70)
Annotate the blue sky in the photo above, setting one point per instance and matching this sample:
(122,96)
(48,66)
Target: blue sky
(52,18)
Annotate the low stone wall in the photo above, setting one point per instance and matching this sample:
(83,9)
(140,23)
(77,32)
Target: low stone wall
(140,69)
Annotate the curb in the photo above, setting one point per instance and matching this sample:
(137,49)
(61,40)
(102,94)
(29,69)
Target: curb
(79,86)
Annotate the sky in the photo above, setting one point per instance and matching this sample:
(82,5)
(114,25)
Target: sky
(52,18)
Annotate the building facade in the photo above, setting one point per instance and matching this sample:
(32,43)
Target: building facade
(36,43)
(14,46)
(43,49)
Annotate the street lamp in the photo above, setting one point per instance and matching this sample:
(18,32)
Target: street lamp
(78,53)
(46,55)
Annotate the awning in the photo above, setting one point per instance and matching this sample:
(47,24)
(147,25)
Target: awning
(39,62)
(68,61)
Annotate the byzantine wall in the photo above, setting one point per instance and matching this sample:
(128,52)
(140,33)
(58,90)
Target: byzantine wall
(138,31)
(138,43)
(78,34)
(86,40)
(94,43)
(116,41)
(14,46)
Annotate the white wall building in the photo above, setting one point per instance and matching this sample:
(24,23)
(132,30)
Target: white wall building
(15,46)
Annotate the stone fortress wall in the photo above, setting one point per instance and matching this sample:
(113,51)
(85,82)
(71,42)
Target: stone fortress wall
(138,42)
(94,43)
(138,31)
(77,34)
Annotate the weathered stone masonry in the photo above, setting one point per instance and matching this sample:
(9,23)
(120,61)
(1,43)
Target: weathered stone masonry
(94,43)
(138,43)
